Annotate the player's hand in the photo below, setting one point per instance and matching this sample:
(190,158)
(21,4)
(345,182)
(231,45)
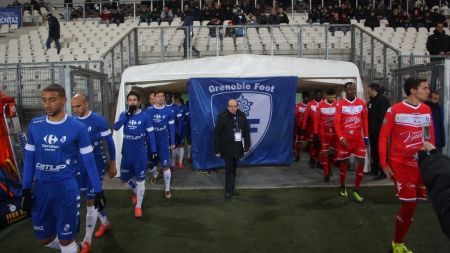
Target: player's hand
(112,172)
(299,129)
(27,200)
(302,131)
(154,157)
(428,146)
(172,146)
(246,148)
(366,141)
(177,136)
(100,201)
(388,172)
(316,143)
(344,142)
(131,110)
(218,154)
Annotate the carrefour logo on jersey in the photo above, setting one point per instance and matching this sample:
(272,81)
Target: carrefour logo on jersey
(241,86)
(51,142)
(133,124)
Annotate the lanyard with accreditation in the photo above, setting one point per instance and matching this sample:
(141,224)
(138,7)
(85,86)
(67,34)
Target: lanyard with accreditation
(237,131)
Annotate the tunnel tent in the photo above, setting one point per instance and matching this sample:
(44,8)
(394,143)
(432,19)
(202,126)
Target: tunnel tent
(173,76)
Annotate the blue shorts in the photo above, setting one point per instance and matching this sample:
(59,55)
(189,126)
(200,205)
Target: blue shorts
(83,179)
(163,151)
(56,209)
(180,140)
(133,166)
(188,132)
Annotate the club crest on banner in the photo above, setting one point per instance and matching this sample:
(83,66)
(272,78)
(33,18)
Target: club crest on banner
(257,106)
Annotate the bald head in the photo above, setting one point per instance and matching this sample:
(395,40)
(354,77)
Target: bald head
(80,105)
(232,106)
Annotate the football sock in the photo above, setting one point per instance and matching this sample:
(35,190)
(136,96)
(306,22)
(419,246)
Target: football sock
(333,158)
(343,172)
(319,155)
(189,151)
(102,216)
(181,154)
(173,157)
(140,190)
(404,220)
(325,165)
(71,248)
(153,171)
(131,185)
(298,148)
(359,175)
(167,176)
(312,150)
(54,244)
(91,218)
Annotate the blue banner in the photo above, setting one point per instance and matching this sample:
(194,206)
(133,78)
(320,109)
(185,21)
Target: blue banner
(269,105)
(9,16)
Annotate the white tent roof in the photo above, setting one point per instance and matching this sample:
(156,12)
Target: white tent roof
(310,72)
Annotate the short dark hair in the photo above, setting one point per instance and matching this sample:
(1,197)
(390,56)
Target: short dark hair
(331,91)
(317,91)
(374,86)
(433,92)
(305,94)
(181,100)
(56,88)
(134,93)
(177,94)
(158,91)
(168,92)
(440,23)
(412,83)
(347,84)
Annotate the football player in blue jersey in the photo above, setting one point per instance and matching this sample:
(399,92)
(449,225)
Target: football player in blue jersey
(179,149)
(178,122)
(163,123)
(98,130)
(137,127)
(53,143)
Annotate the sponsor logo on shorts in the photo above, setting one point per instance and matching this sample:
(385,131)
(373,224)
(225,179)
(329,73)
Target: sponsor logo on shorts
(66,227)
(38,228)
(124,171)
(410,185)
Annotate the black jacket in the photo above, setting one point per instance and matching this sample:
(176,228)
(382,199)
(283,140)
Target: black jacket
(377,108)
(438,42)
(435,171)
(224,135)
(53,28)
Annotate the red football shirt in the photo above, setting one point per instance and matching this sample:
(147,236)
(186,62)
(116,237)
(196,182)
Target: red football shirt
(351,118)
(403,122)
(300,110)
(324,119)
(310,113)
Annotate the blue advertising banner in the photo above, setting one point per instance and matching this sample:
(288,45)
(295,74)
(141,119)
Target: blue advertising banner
(269,105)
(9,16)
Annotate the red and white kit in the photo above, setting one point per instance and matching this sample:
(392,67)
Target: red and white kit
(308,119)
(300,110)
(350,120)
(403,123)
(324,124)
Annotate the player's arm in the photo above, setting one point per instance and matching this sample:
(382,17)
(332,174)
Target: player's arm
(171,127)
(385,132)
(365,121)
(150,134)
(180,123)
(306,116)
(112,153)
(29,163)
(316,120)
(119,123)
(188,116)
(337,122)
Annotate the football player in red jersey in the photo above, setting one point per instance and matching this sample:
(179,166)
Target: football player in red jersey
(324,133)
(350,120)
(308,127)
(408,124)
(300,109)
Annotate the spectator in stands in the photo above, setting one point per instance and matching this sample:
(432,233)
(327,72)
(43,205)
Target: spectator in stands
(428,21)
(207,15)
(195,3)
(250,19)
(54,32)
(314,16)
(372,21)
(239,18)
(105,16)
(166,15)
(144,16)
(236,8)
(388,12)
(425,10)
(283,16)
(273,18)
(15,3)
(197,13)
(405,21)
(257,9)
(395,20)
(416,20)
(342,9)
(350,12)
(188,35)
(216,11)
(322,14)
(437,113)
(440,17)
(438,44)
(155,16)
(367,11)
(248,7)
(380,13)
(335,21)
(183,14)
(87,4)
(399,8)
(119,16)
(213,25)
(345,21)
(227,13)
(27,6)
(261,19)
(360,13)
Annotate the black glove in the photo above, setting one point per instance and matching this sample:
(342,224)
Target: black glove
(100,201)
(131,110)
(299,129)
(177,137)
(302,131)
(316,143)
(246,148)
(154,157)
(27,200)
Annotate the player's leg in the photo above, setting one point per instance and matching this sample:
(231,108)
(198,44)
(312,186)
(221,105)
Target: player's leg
(181,149)
(44,224)
(173,158)
(140,167)
(343,156)
(359,150)
(163,155)
(324,149)
(126,176)
(298,147)
(312,155)
(105,225)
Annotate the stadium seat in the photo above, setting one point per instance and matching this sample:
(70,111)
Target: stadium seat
(54,58)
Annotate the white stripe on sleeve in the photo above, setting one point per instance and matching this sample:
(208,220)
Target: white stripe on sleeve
(30,147)
(105,133)
(150,129)
(86,150)
(171,121)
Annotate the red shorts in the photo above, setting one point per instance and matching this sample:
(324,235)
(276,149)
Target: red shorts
(301,137)
(408,182)
(309,132)
(356,147)
(328,141)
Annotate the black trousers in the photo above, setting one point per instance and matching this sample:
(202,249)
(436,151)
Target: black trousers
(230,174)
(373,139)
